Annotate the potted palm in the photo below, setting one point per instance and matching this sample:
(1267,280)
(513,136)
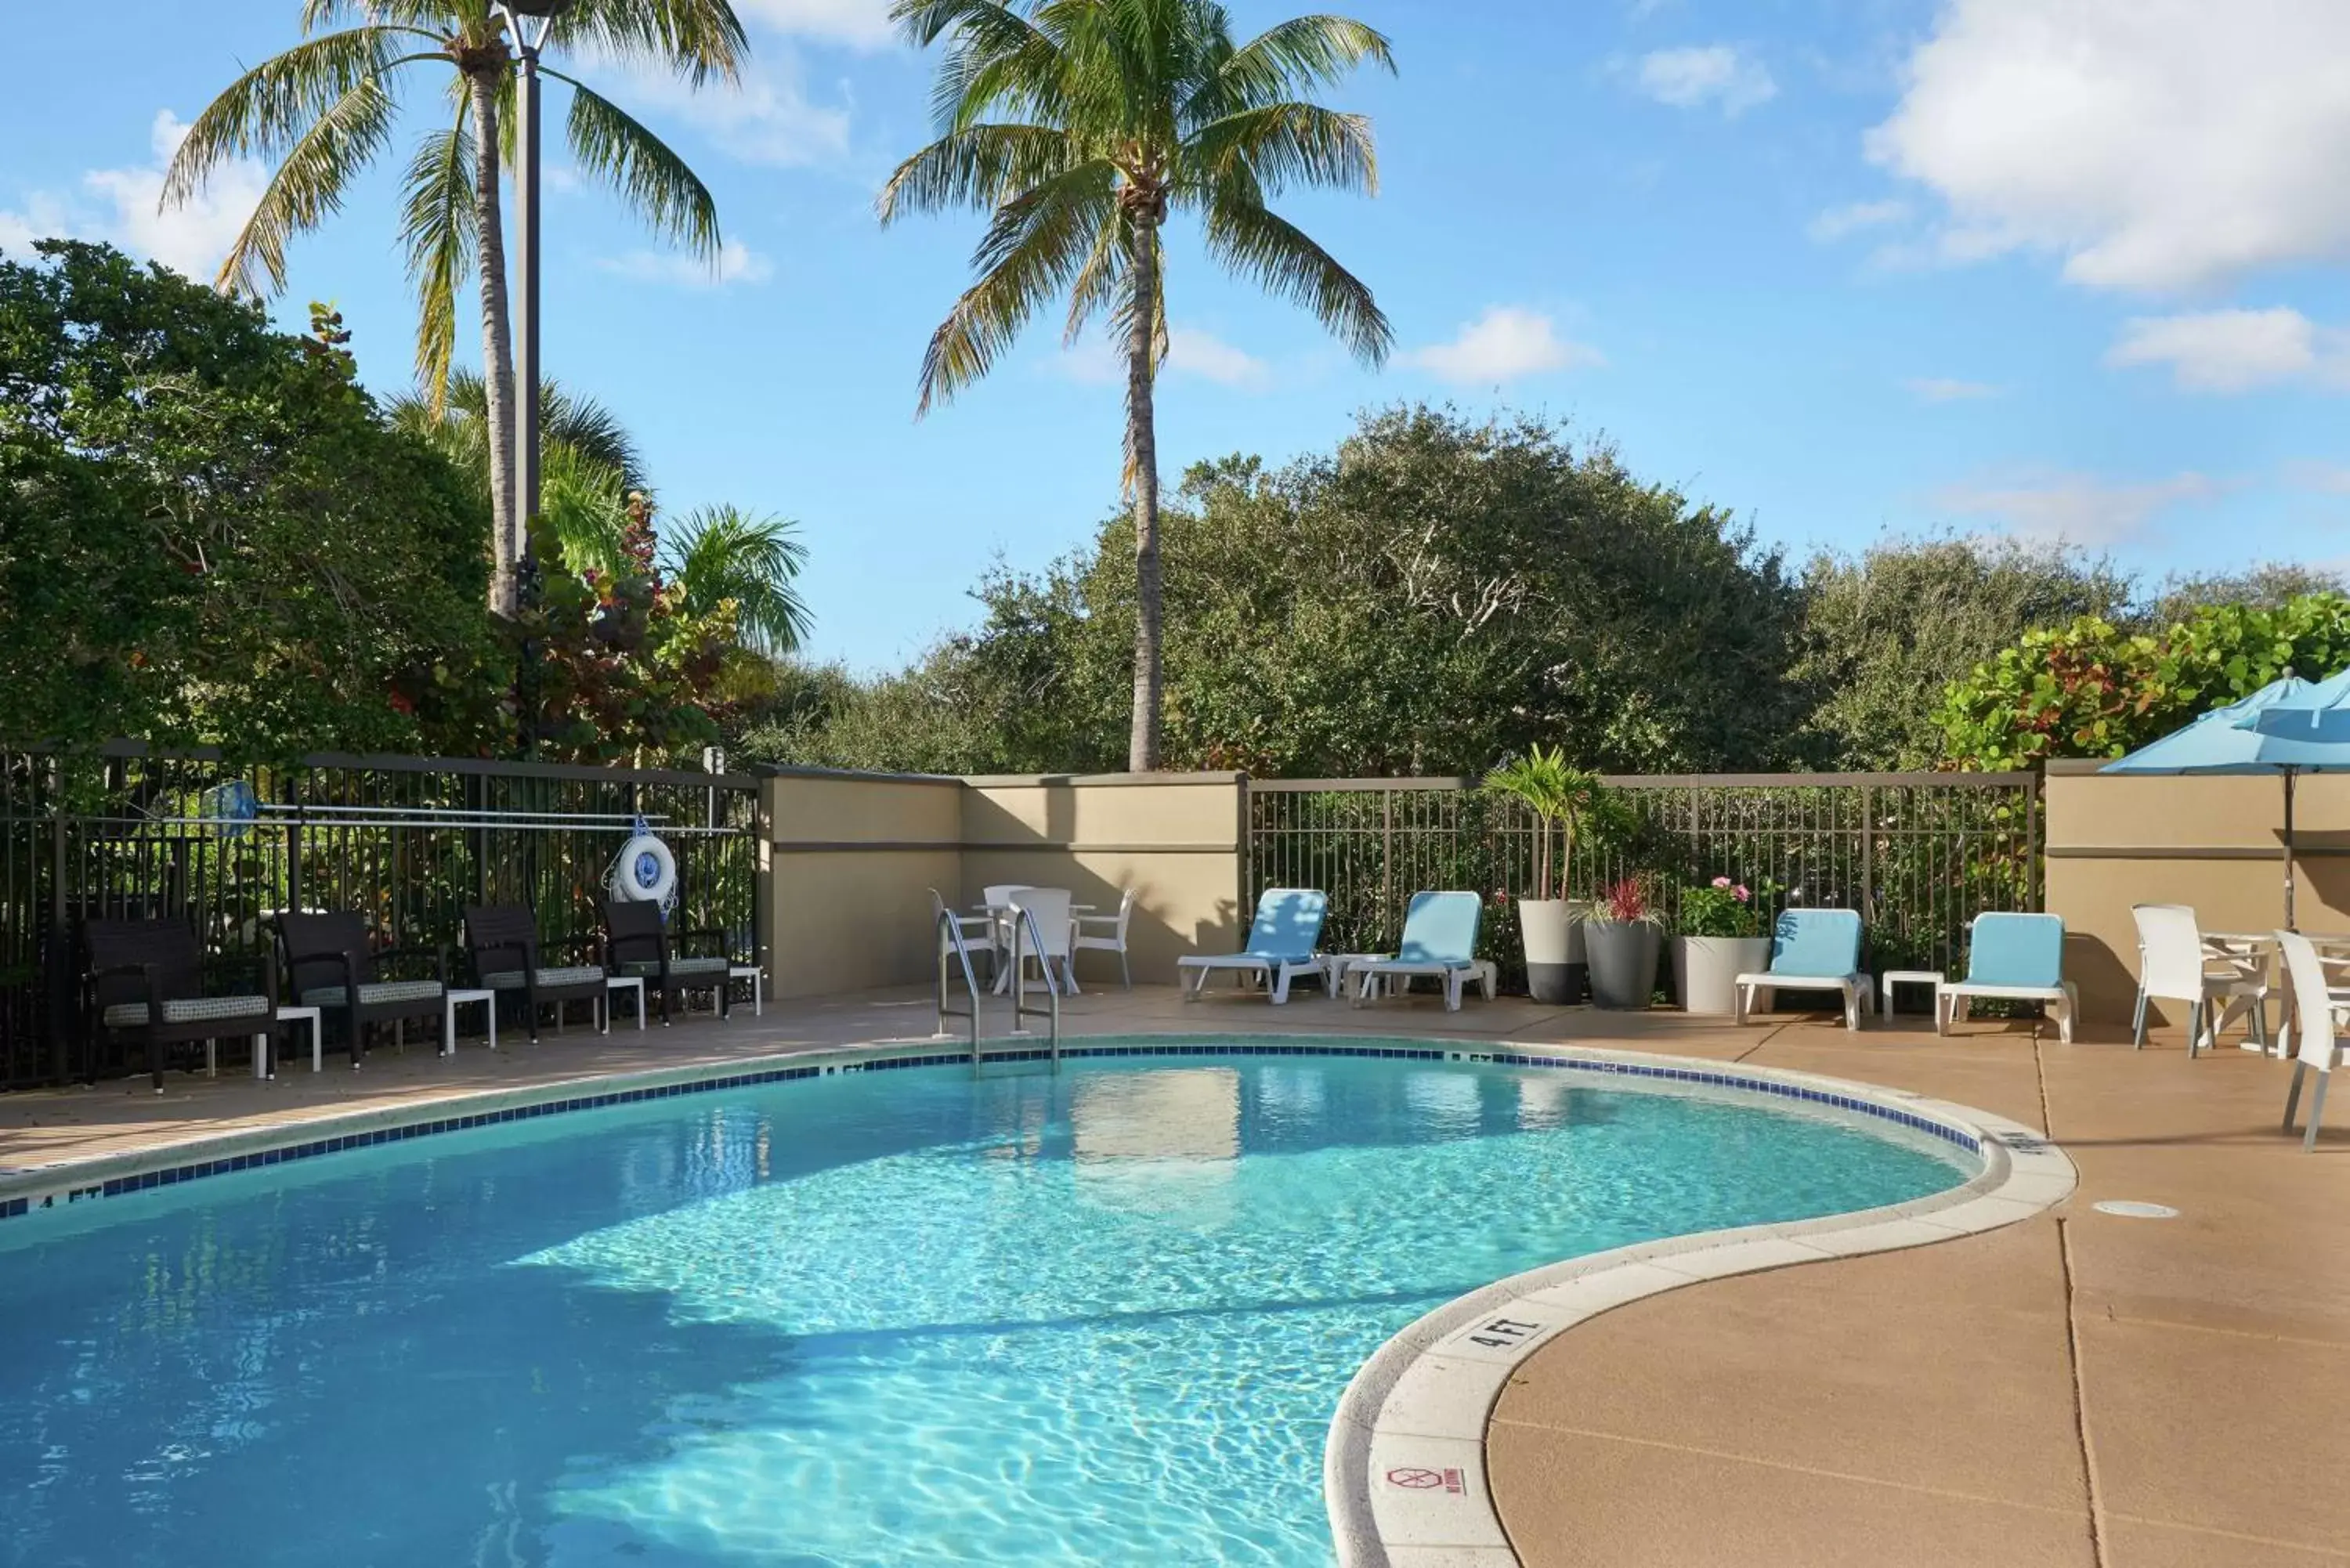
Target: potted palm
(1623,937)
(1720,938)
(1565,801)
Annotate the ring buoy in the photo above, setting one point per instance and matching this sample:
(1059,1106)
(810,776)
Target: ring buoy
(646,873)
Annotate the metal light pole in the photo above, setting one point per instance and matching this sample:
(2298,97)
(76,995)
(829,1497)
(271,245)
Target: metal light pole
(526,182)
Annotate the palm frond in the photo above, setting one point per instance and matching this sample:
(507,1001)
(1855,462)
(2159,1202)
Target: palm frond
(1290,60)
(584,502)
(979,166)
(308,185)
(274,106)
(591,430)
(1254,240)
(723,554)
(438,228)
(997,60)
(697,39)
(654,181)
(1284,144)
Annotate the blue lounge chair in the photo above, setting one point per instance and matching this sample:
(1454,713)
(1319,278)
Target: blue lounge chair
(2012,958)
(1440,941)
(1282,944)
(1812,949)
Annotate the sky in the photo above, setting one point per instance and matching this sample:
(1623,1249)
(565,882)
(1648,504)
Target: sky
(1847,269)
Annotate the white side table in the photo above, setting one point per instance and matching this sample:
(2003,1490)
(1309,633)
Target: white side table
(457,999)
(1893,977)
(317,1039)
(1335,965)
(623,982)
(756,976)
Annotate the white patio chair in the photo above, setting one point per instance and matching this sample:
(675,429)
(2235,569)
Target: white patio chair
(1107,933)
(1048,910)
(997,902)
(978,932)
(2319,1011)
(2172,966)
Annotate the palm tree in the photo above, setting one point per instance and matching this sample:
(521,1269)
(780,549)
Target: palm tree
(1080,127)
(324,110)
(723,552)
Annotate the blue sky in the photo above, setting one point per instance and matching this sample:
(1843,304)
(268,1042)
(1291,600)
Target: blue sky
(1846,267)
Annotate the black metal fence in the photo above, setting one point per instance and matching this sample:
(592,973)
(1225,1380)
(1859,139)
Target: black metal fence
(407,841)
(1919,855)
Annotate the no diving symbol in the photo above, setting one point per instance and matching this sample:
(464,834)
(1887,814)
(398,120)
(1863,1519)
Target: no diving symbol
(1410,1477)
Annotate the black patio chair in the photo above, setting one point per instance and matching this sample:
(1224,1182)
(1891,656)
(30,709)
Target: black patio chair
(330,965)
(146,984)
(636,943)
(503,940)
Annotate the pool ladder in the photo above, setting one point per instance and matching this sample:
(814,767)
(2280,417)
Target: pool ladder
(1024,940)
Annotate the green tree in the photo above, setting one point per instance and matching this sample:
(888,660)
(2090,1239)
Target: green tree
(724,555)
(2093,689)
(1887,632)
(324,110)
(2272,584)
(1080,127)
(214,537)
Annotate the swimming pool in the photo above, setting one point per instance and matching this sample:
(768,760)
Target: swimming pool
(1096,1317)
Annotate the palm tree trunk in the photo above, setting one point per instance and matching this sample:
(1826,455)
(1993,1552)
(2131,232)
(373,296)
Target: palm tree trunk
(1142,467)
(497,344)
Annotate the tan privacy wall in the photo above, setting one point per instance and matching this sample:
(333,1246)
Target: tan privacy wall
(2214,844)
(850,859)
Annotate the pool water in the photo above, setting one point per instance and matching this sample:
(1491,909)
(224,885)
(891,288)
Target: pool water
(908,1318)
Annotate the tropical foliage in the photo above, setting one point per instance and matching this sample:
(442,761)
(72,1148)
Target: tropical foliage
(1080,127)
(326,109)
(1565,801)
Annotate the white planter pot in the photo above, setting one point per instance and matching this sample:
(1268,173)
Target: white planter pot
(1704,969)
(1552,932)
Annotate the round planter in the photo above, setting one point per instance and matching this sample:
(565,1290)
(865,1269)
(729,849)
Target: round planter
(1623,956)
(1704,969)
(1552,932)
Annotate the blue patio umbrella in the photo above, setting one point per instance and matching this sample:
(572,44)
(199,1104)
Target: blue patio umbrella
(2319,712)
(2236,740)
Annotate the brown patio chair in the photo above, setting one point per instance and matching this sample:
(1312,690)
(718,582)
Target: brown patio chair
(330,965)
(146,984)
(637,942)
(503,940)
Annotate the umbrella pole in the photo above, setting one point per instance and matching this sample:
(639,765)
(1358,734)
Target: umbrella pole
(2288,850)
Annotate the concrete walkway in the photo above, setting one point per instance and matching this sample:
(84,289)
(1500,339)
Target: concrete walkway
(2081,1390)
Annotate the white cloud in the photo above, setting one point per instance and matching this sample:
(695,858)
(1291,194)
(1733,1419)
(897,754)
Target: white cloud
(2153,144)
(1717,73)
(1200,354)
(2076,508)
(768,119)
(120,207)
(2236,350)
(1502,345)
(1943,390)
(735,262)
(2326,478)
(1838,223)
(864,23)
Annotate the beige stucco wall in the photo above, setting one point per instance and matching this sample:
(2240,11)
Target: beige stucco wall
(2216,843)
(850,861)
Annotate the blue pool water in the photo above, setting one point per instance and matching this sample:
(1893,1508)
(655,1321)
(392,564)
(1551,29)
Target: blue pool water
(868,1319)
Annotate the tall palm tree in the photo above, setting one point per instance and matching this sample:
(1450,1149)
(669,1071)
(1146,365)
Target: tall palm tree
(1080,127)
(324,110)
(722,553)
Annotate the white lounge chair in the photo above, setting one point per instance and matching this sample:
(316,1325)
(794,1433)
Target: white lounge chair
(1438,943)
(1107,934)
(2173,967)
(1047,909)
(1281,945)
(2317,1008)
(1812,949)
(2012,958)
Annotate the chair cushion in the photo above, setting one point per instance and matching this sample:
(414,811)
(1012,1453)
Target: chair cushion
(1440,927)
(1288,923)
(678,967)
(187,1010)
(2016,950)
(1822,944)
(547,979)
(376,993)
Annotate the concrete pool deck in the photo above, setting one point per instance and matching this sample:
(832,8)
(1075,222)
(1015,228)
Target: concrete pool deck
(2079,1389)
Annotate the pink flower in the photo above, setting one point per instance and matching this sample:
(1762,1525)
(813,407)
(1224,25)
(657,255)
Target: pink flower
(1722,881)
(1742,893)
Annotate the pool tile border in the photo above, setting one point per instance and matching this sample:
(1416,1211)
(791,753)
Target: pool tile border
(1404,1471)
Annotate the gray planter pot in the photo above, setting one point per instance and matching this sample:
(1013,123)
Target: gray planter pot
(1552,932)
(1623,956)
(1705,967)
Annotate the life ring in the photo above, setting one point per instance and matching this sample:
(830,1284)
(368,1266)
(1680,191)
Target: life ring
(646,873)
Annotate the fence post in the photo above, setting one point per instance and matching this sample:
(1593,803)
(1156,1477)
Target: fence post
(61,946)
(1867,856)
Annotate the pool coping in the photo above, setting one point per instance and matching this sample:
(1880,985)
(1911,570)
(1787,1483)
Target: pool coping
(1404,1473)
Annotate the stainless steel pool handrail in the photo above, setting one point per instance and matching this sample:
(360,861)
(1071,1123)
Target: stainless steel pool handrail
(951,942)
(1024,930)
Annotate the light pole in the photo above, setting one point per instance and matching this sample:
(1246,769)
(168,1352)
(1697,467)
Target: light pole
(526,182)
